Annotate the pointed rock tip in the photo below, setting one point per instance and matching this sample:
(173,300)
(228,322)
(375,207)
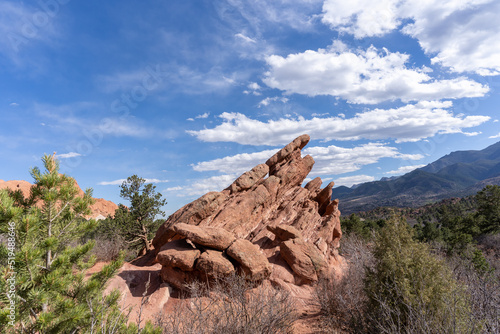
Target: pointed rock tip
(297,143)
(302,140)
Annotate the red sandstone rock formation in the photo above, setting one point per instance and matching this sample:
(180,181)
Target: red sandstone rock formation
(265,224)
(100,209)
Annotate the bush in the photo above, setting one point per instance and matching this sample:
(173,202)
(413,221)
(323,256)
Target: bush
(411,290)
(231,306)
(343,299)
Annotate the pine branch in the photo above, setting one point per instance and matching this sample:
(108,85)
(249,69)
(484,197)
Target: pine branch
(59,213)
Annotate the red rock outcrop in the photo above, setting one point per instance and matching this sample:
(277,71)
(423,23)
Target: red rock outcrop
(265,224)
(100,209)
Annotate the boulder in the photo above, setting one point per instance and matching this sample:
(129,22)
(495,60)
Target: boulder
(213,237)
(178,254)
(213,264)
(253,263)
(304,258)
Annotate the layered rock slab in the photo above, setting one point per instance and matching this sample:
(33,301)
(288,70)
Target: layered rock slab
(213,237)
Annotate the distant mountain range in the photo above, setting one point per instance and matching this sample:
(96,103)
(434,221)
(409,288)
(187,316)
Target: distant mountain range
(457,174)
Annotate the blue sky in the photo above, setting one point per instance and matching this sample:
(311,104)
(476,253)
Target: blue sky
(190,94)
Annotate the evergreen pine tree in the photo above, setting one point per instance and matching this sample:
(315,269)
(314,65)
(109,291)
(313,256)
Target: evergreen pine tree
(52,294)
(137,223)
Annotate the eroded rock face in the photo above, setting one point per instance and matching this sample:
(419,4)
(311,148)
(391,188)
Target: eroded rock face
(264,222)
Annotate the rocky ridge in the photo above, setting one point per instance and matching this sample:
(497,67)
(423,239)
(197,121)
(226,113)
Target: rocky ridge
(265,225)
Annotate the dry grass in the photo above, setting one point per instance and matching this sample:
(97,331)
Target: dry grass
(231,306)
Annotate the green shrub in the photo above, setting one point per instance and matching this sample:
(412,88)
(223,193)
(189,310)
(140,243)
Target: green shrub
(410,289)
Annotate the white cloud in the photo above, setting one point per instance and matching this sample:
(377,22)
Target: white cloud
(254,86)
(349,181)
(331,160)
(495,136)
(156,181)
(236,164)
(334,160)
(361,17)
(68,155)
(112,183)
(245,38)
(204,115)
(472,134)
(203,186)
(404,169)
(174,188)
(405,124)
(370,76)
(14,104)
(120,181)
(268,100)
(461,35)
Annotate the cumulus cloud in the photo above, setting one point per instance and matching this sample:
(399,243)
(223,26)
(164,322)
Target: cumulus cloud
(349,181)
(409,123)
(236,164)
(330,160)
(120,181)
(334,160)
(461,35)
(361,18)
(363,76)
